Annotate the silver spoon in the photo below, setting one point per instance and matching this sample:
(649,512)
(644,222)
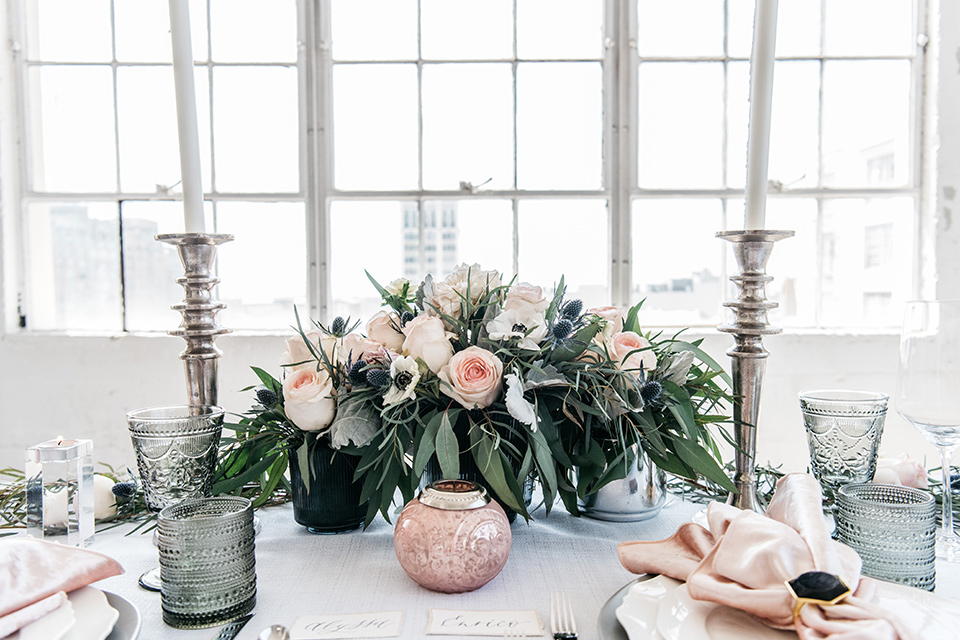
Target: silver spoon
(274,632)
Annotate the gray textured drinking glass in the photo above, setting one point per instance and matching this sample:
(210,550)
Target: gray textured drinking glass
(176,451)
(893,528)
(843,433)
(207,561)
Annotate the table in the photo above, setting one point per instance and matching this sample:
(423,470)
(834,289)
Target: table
(299,573)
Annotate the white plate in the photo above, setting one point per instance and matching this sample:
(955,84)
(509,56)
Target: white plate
(88,614)
(128,624)
(52,626)
(638,611)
(94,615)
(680,617)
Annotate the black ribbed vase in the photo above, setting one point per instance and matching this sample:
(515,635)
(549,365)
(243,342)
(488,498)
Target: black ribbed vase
(332,504)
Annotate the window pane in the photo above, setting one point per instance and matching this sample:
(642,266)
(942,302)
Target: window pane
(253,30)
(375,117)
(374,29)
(149,143)
(143,30)
(471,231)
(72,129)
(869,27)
(681,124)
(866,133)
(151,268)
(73,256)
(683,282)
(466,29)
(798,28)
(256,129)
(566,238)
(467,125)
(793,127)
(666,28)
(69,31)
(390,230)
(559,29)
(793,262)
(263,273)
(866,280)
(559,125)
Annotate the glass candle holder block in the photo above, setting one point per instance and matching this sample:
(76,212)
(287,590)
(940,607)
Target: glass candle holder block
(843,432)
(59,476)
(893,528)
(207,562)
(176,451)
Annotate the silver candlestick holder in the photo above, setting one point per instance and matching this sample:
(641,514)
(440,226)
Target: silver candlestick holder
(752,249)
(199,310)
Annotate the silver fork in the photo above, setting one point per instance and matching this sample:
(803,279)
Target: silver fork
(562,624)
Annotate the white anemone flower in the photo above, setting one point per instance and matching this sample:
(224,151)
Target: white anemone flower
(405,373)
(526,324)
(517,406)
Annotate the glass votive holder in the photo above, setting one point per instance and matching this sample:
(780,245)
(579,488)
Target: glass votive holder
(843,432)
(207,562)
(59,478)
(893,529)
(176,451)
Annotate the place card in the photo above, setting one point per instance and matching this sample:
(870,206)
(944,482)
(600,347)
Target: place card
(382,624)
(453,622)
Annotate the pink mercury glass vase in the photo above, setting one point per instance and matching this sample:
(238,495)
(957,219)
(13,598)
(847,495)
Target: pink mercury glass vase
(452,538)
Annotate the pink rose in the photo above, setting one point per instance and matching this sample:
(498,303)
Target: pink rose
(356,347)
(308,399)
(299,354)
(623,350)
(428,340)
(900,469)
(526,297)
(384,328)
(472,377)
(612,320)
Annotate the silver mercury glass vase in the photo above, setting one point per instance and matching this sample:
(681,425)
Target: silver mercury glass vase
(752,249)
(199,309)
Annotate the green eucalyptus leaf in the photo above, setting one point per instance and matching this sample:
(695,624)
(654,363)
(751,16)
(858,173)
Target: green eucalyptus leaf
(427,445)
(448,449)
(575,345)
(698,458)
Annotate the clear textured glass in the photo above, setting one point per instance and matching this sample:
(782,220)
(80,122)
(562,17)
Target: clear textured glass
(374,29)
(176,451)
(566,29)
(253,30)
(73,261)
(869,27)
(928,392)
(566,238)
(844,428)
(688,152)
(151,268)
(892,529)
(147,125)
(554,97)
(665,28)
(69,31)
(684,287)
(59,476)
(256,129)
(255,297)
(376,121)
(466,29)
(142,30)
(467,125)
(207,562)
(866,123)
(72,129)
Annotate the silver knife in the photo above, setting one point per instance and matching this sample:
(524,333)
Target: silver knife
(230,630)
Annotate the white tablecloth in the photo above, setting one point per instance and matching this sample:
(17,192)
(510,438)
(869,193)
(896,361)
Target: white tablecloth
(299,573)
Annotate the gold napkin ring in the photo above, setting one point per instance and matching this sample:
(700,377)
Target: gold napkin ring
(816,587)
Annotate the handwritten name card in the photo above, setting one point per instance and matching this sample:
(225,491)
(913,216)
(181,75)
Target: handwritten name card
(383,624)
(483,623)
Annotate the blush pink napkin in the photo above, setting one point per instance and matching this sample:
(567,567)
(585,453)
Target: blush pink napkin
(744,559)
(35,577)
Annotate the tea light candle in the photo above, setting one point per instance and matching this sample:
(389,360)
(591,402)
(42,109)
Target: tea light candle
(59,476)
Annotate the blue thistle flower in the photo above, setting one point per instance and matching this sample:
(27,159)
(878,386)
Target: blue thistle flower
(572,309)
(125,490)
(379,378)
(267,397)
(405,317)
(34,493)
(357,374)
(339,326)
(562,328)
(651,392)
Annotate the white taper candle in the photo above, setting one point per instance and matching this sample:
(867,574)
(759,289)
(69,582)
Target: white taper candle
(180,40)
(761,98)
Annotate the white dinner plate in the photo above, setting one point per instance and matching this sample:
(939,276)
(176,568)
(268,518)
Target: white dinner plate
(52,626)
(94,617)
(88,614)
(638,611)
(128,624)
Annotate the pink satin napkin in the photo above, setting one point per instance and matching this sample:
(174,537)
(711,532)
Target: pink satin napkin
(35,577)
(745,558)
